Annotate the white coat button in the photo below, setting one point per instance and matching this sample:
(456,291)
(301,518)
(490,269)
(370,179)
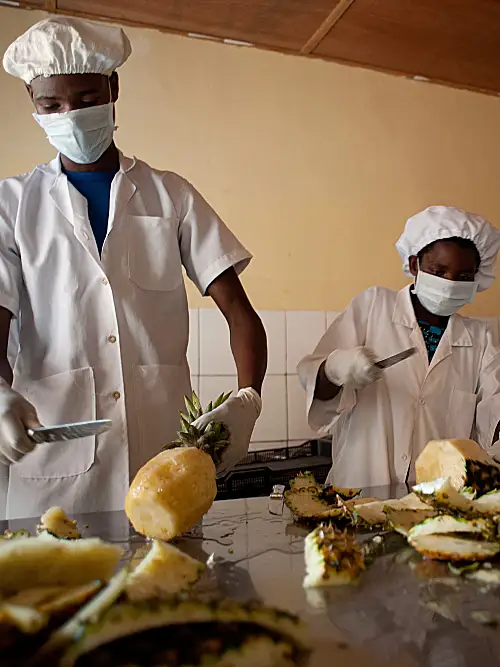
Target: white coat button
(422,401)
(112,339)
(116,395)
(404,457)
(105,281)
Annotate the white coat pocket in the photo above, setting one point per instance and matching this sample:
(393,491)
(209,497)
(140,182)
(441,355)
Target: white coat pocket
(60,399)
(461,414)
(154,259)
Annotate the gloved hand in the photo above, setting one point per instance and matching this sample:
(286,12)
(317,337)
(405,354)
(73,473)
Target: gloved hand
(355,367)
(16,415)
(239,413)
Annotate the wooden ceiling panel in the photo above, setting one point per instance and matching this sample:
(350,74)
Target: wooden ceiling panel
(279,24)
(453,41)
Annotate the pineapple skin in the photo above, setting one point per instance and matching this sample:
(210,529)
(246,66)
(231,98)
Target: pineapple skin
(171,493)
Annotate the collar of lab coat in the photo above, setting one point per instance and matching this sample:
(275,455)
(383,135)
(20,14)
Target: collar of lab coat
(456,331)
(126,164)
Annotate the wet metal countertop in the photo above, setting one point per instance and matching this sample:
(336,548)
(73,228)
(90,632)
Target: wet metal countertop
(404,611)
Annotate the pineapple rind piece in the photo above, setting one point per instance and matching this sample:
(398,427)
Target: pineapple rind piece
(309,506)
(441,494)
(374,513)
(165,571)
(451,548)
(130,618)
(305,481)
(332,558)
(35,561)
(463,461)
(402,520)
(445,524)
(56,522)
(23,618)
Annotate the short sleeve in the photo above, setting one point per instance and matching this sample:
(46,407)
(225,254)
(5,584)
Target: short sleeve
(10,260)
(208,247)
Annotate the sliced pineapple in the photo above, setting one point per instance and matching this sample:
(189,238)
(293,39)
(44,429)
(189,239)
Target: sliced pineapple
(441,493)
(333,493)
(445,523)
(31,562)
(463,461)
(164,571)
(56,522)
(332,557)
(401,521)
(449,547)
(126,619)
(23,618)
(374,513)
(489,504)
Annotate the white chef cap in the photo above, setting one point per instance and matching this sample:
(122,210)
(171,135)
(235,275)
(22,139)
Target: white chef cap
(60,45)
(444,222)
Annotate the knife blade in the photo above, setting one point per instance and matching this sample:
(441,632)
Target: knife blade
(396,358)
(276,500)
(68,431)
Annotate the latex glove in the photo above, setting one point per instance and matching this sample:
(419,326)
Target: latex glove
(355,367)
(239,413)
(16,415)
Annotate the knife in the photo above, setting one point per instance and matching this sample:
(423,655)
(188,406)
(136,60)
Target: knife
(396,358)
(68,431)
(276,500)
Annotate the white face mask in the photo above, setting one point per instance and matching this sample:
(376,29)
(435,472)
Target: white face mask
(443,297)
(82,135)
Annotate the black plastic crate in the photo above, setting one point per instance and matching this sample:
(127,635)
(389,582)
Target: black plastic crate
(257,474)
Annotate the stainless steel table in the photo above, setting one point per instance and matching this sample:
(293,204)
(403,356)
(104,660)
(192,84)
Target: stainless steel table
(404,612)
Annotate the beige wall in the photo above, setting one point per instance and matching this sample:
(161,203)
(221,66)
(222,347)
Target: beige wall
(315,166)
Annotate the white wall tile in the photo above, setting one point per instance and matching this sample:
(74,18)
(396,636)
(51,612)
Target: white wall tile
(303,332)
(193,351)
(274,322)
(272,423)
(213,386)
(331,316)
(215,349)
(298,428)
(195,384)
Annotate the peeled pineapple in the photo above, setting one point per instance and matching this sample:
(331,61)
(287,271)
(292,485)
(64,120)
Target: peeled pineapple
(463,461)
(173,490)
(56,522)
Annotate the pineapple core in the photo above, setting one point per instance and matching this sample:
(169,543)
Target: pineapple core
(171,493)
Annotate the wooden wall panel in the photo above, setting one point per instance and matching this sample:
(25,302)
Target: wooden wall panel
(281,24)
(455,41)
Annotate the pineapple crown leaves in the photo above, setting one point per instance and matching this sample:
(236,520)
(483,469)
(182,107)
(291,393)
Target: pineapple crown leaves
(211,439)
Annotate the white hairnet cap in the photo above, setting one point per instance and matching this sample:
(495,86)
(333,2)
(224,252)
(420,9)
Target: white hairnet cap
(62,45)
(444,222)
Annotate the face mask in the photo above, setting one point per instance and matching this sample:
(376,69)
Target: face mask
(443,297)
(82,135)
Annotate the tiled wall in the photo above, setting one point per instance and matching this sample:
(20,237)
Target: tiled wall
(290,336)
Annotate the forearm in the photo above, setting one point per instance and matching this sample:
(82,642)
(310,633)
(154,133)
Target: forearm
(249,346)
(324,390)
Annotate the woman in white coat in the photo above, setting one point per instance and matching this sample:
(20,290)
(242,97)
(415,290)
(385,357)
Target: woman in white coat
(92,247)
(381,419)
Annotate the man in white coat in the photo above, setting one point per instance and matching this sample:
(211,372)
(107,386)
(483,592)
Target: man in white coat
(92,248)
(381,420)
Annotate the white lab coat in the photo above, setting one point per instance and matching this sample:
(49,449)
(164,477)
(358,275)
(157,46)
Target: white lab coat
(380,430)
(101,337)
